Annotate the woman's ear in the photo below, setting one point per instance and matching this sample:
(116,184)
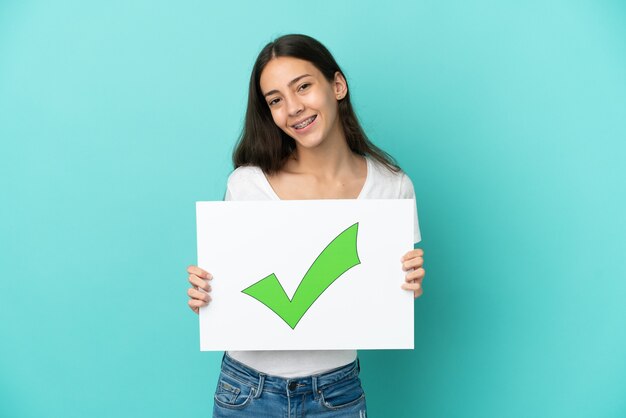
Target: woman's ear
(340,86)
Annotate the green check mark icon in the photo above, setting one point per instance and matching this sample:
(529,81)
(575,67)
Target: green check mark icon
(338,257)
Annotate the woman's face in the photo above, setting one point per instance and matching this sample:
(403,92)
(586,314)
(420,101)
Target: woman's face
(302,102)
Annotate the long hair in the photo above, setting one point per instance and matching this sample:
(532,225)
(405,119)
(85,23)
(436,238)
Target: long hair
(264,144)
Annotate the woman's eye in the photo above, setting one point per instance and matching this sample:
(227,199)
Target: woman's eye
(304,86)
(273,101)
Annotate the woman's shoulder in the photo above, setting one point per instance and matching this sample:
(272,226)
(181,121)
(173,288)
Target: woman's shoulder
(386,183)
(247,183)
(244,174)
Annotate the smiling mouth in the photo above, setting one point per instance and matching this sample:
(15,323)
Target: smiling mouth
(304,123)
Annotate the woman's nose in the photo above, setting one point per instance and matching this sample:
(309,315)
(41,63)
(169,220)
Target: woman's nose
(295,107)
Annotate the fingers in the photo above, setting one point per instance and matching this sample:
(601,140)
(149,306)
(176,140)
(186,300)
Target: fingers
(417,274)
(195,270)
(198,294)
(412,286)
(418,252)
(413,259)
(416,287)
(413,263)
(198,299)
(199,283)
(195,304)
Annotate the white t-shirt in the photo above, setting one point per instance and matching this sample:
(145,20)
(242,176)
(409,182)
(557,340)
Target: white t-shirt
(249,183)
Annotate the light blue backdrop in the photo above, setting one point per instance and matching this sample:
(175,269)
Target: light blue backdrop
(115,117)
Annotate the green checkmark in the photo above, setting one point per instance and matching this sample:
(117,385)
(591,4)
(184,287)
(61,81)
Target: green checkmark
(338,257)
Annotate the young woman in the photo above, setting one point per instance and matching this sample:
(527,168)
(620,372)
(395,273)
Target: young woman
(302,140)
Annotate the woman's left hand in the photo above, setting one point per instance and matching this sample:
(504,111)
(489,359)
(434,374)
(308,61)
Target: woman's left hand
(413,262)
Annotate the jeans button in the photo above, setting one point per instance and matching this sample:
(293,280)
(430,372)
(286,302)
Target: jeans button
(292,386)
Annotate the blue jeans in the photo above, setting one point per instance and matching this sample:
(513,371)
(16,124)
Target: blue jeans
(244,392)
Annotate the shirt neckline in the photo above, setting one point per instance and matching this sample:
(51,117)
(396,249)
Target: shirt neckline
(368,176)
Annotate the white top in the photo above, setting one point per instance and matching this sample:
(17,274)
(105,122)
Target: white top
(249,183)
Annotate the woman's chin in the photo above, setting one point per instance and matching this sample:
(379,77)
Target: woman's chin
(308,143)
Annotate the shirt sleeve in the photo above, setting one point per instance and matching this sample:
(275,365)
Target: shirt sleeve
(228,195)
(408,192)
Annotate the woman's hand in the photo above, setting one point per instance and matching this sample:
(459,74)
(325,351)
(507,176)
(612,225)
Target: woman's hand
(199,291)
(413,262)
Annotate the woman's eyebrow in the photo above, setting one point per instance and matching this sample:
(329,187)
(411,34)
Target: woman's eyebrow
(291,83)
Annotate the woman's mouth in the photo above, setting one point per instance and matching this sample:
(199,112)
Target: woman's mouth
(304,123)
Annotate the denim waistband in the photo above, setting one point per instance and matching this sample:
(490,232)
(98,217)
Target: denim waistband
(290,386)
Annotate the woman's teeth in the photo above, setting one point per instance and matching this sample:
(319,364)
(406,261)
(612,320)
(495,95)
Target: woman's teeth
(305,122)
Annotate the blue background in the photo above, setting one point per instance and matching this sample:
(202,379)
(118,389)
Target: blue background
(115,117)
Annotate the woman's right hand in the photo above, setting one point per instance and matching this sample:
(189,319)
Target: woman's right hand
(199,291)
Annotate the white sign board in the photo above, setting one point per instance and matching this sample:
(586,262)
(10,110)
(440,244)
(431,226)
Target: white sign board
(305,274)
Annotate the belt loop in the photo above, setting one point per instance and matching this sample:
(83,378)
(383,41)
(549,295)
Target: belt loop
(316,392)
(259,389)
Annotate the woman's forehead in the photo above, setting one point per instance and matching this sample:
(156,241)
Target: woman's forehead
(280,71)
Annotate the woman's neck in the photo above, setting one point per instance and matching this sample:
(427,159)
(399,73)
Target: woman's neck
(328,171)
(328,161)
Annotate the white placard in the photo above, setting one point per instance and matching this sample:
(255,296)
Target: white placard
(241,243)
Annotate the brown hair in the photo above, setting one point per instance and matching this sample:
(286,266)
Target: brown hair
(264,144)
